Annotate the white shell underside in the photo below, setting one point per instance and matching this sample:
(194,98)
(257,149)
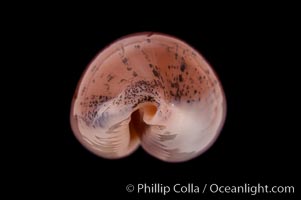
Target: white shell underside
(151,90)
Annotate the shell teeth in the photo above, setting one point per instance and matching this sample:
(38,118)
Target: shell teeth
(150,90)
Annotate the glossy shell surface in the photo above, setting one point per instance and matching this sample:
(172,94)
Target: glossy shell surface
(152,90)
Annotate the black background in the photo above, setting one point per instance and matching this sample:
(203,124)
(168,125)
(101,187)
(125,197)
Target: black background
(253,55)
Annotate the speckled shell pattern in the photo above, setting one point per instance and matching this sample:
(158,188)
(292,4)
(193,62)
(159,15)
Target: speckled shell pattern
(150,90)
